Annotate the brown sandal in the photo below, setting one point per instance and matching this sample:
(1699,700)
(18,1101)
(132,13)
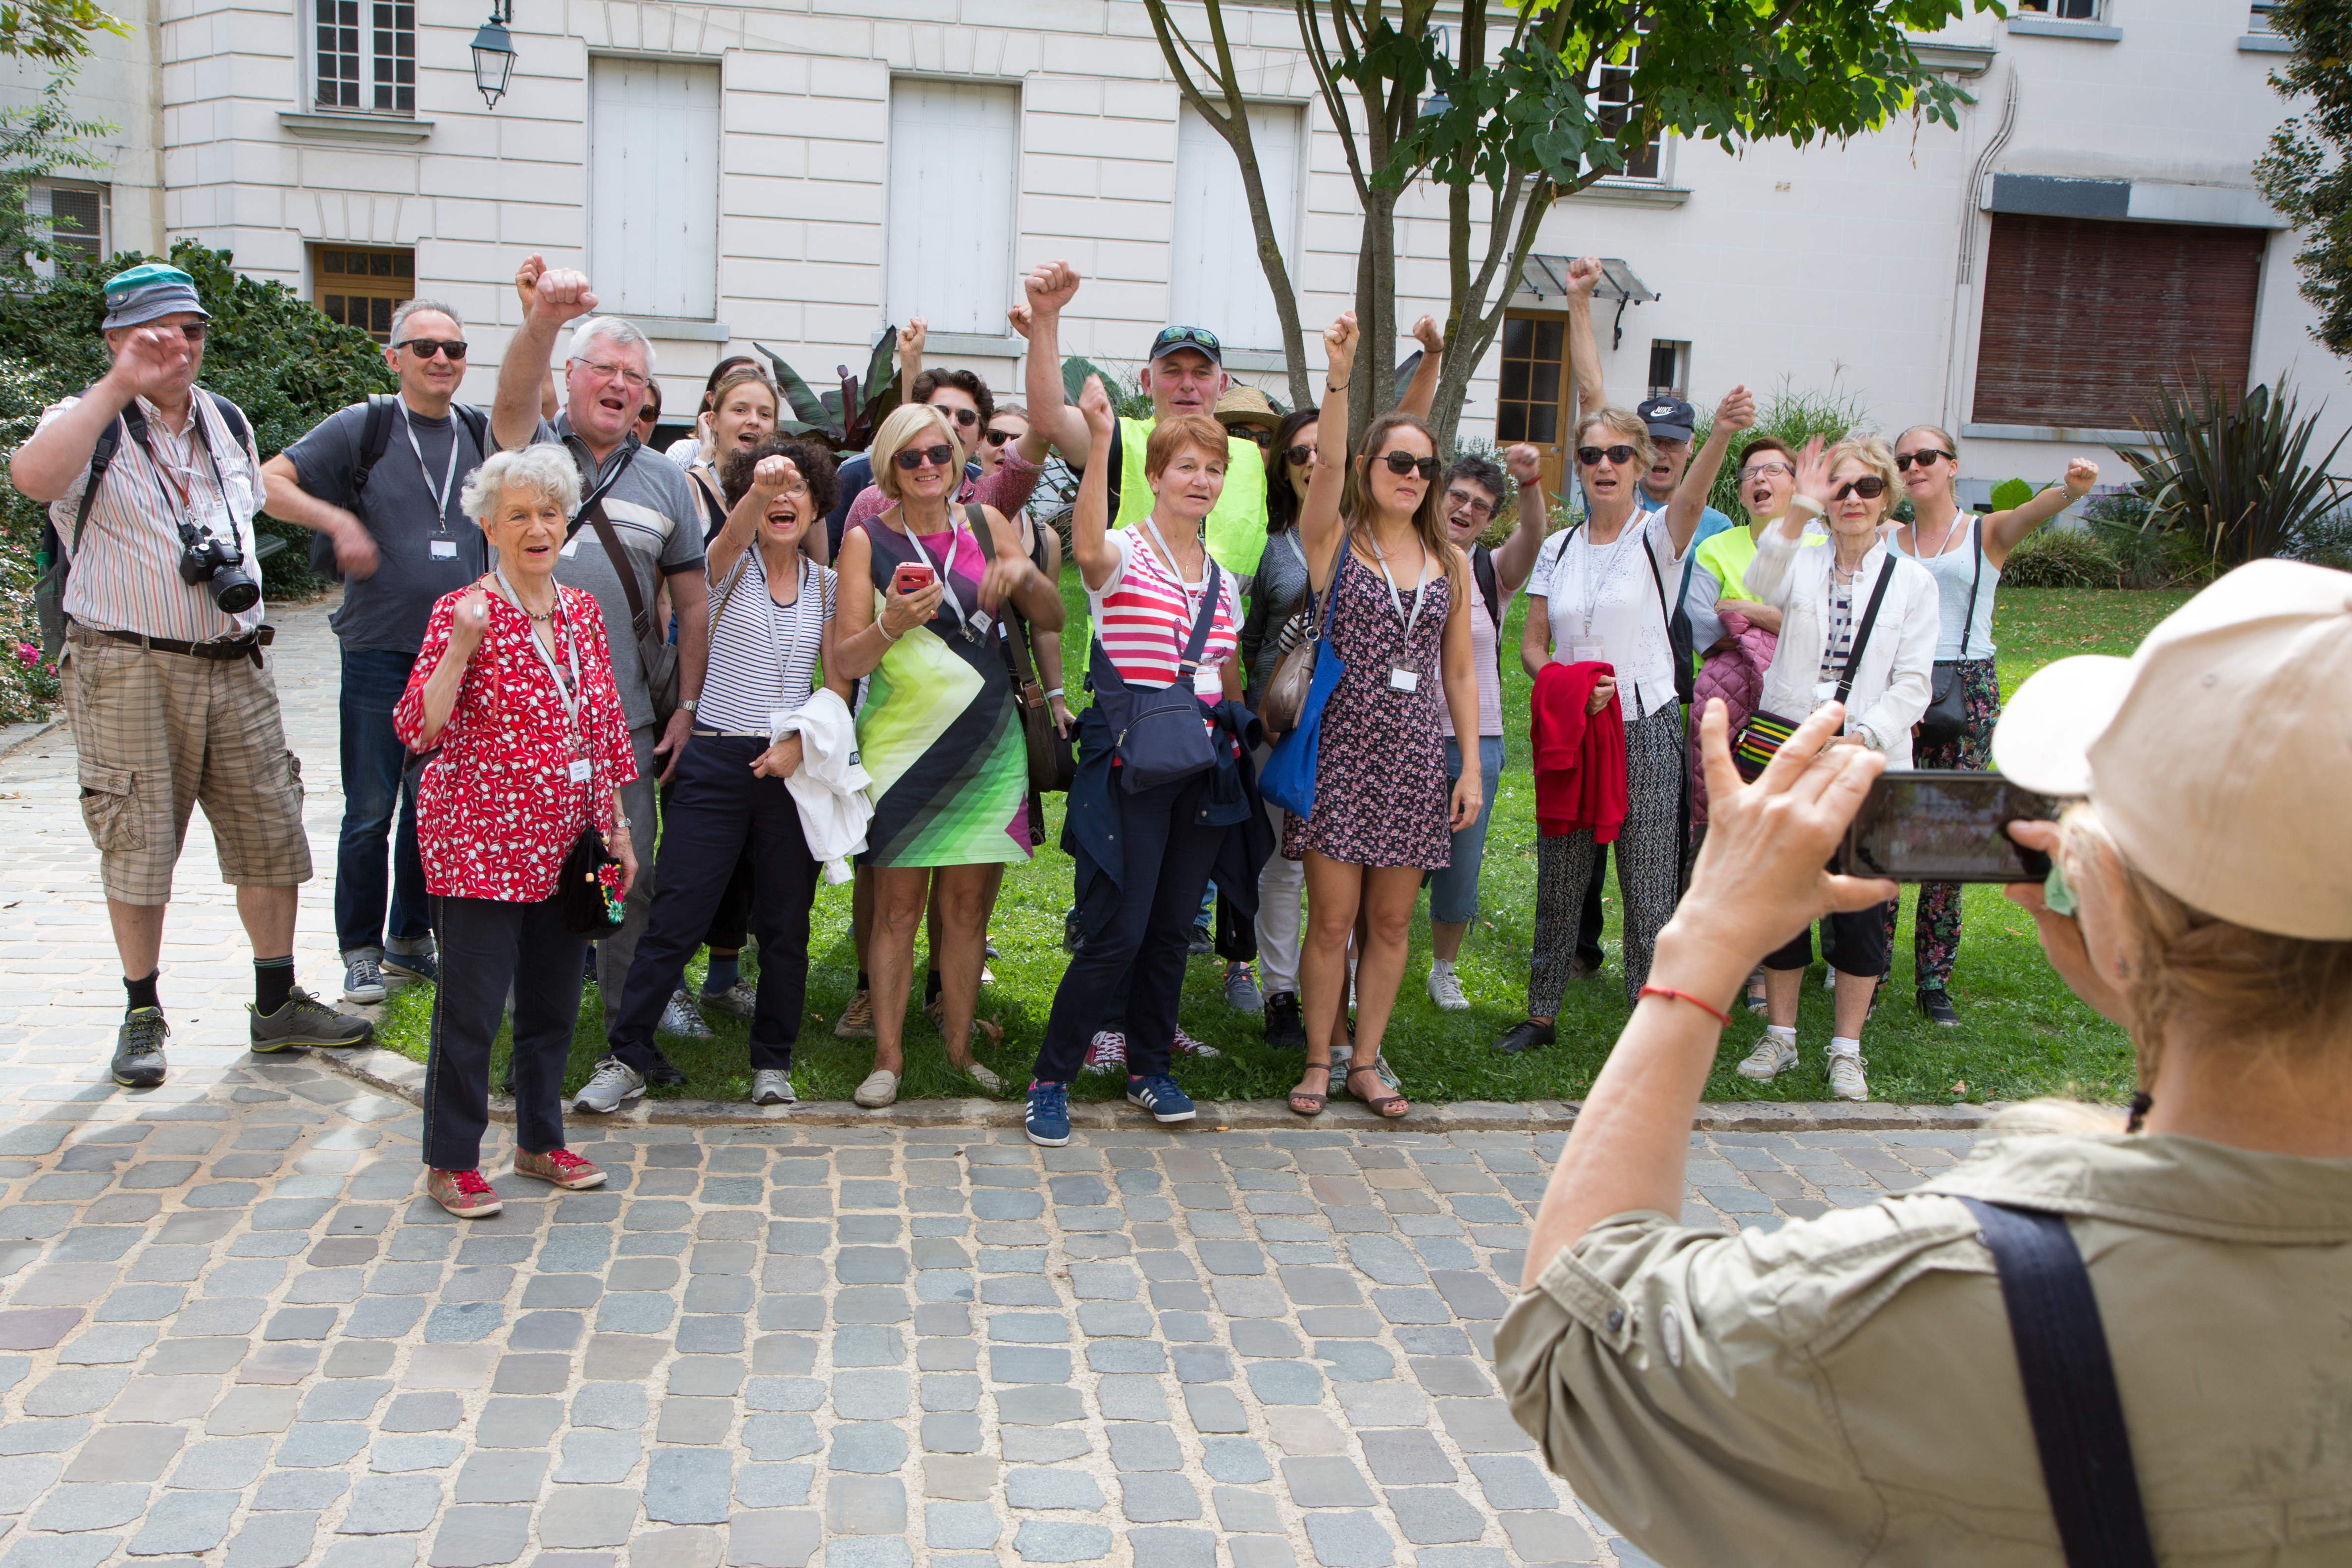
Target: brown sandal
(1386,1107)
(1307,1104)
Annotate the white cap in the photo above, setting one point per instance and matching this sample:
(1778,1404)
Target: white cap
(2219,754)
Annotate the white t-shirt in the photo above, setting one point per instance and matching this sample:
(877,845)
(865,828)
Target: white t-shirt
(1608,598)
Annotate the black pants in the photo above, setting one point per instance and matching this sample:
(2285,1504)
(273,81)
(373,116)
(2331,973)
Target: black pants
(485,945)
(1588,922)
(717,806)
(1146,939)
(1854,944)
(732,919)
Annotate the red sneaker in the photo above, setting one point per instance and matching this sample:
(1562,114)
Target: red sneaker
(560,1167)
(463,1193)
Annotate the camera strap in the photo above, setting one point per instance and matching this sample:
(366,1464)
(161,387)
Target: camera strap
(135,420)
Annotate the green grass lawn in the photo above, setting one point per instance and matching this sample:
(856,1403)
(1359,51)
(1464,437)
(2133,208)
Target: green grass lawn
(2021,1034)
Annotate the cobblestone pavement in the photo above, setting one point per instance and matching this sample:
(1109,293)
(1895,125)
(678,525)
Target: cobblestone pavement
(232,1332)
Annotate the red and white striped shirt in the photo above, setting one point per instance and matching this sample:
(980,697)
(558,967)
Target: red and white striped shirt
(1144,616)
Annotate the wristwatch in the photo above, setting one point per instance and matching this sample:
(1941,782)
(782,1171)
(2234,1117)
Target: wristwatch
(689,705)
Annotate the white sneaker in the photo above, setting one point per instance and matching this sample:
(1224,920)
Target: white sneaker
(680,1018)
(1773,1057)
(1829,979)
(615,1085)
(1845,1077)
(1446,990)
(773,1086)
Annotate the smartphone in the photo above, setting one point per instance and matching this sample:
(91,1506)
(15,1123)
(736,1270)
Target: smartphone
(911,577)
(1938,825)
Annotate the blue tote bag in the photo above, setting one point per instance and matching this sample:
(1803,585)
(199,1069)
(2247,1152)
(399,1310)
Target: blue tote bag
(1289,777)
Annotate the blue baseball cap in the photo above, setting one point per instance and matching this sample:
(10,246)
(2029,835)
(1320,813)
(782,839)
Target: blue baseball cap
(149,292)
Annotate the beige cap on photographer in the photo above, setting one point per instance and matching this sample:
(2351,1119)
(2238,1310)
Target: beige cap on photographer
(2219,754)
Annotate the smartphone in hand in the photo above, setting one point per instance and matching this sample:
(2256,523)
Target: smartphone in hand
(1946,825)
(913,578)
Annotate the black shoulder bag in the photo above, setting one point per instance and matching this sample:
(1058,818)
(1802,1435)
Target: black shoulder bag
(1159,734)
(1946,718)
(2070,1386)
(1052,764)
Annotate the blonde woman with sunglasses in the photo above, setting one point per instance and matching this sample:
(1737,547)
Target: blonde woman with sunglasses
(1965,554)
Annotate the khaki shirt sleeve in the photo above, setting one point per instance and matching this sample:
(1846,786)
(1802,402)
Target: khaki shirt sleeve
(1670,1376)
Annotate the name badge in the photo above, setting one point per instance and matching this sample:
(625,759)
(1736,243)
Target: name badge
(1823,691)
(1403,678)
(444,549)
(1586,651)
(571,547)
(579,770)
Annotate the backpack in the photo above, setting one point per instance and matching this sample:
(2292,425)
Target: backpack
(53,564)
(374,441)
(1482,567)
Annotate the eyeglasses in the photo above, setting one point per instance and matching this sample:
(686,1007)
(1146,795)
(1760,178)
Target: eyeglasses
(605,369)
(1764,470)
(194,331)
(1459,500)
(426,348)
(999,437)
(966,417)
(1926,457)
(1300,455)
(1589,455)
(1870,487)
(914,457)
(1405,462)
(1261,434)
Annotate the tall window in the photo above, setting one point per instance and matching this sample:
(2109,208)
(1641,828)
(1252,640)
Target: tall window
(1669,368)
(71,216)
(362,286)
(652,187)
(954,162)
(366,55)
(1615,107)
(1215,281)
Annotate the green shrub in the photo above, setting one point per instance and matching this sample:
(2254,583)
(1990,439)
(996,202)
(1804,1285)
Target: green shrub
(1796,417)
(2146,553)
(2323,540)
(2061,557)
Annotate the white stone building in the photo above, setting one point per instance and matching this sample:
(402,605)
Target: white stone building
(799,176)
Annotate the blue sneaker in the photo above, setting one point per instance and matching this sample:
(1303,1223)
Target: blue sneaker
(1048,1121)
(1161,1097)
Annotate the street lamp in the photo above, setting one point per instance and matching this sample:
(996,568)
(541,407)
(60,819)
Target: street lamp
(494,53)
(1437,103)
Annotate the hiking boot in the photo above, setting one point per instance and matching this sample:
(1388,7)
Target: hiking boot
(615,1084)
(681,1020)
(739,1000)
(1526,1035)
(773,1086)
(1106,1054)
(1048,1119)
(1446,990)
(1773,1055)
(1161,1096)
(410,967)
(1241,990)
(363,976)
(560,1166)
(1937,1006)
(463,1193)
(303,1020)
(1845,1076)
(1284,1027)
(856,1021)
(138,1049)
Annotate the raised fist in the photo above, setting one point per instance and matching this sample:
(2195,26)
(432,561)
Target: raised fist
(562,294)
(1050,286)
(1524,464)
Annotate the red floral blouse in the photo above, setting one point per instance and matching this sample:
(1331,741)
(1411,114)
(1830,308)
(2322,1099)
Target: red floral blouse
(495,810)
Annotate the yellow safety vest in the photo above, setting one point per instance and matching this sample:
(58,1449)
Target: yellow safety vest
(1236,530)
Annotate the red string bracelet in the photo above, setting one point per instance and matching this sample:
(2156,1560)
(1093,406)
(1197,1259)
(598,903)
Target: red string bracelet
(1713,1011)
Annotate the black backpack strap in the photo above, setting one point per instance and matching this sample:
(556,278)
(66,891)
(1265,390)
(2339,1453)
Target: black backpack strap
(1861,633)
(1200,624)
(2069,1387)
(101,457)
(477,424)
(232,417)
(373,439)
(1482,567)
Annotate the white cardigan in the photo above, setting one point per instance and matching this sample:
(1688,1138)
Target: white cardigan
(1895,677)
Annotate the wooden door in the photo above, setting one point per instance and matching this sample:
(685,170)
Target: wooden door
(1533,403)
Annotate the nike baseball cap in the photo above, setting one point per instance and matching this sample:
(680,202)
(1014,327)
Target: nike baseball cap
(2219,754)
(1669,418)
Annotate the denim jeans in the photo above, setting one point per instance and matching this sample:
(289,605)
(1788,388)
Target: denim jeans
(1454,891)
(374,762)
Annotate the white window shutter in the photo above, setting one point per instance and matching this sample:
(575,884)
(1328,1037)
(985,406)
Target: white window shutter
(954,192)
(1215,281)
(653,176)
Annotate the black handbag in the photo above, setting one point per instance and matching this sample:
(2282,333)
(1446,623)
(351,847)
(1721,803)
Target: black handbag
(1052,765)
(1157,734)
(1946,718)
(590,906)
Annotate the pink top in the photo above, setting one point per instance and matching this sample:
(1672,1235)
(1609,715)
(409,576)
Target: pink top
(1144,616)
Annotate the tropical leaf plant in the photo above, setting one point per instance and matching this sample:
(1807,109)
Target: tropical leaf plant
(2230,474)
(845,419)
(1128,398)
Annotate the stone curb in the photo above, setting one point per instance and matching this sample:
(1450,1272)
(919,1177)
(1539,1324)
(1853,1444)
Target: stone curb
(15,737)
(389,1073)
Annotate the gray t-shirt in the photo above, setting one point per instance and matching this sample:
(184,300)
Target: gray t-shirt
(388,609)
(651,506)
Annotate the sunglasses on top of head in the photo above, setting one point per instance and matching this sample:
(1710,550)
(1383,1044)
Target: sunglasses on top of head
(1870,487)
(1926,457)
(426,348)
(1589,455)
(1401,462)
(913,457)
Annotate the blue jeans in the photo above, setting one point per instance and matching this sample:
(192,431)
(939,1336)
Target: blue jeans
(1454,892)
(373,761)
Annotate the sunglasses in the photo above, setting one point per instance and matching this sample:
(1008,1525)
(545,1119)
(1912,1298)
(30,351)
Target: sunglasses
(1299,456)
(1405,462)
(1761,470)
(1589,455)
(1263,436)
(1464,501)
(963,416)
(1926,457)
(426,348)
(1870,487)
(914,457)
(999,437)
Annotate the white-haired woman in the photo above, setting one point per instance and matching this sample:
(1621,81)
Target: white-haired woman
(921,586)
(1964,555)
(1834,645)
(1688,1383)
(513,693)
(1596,641)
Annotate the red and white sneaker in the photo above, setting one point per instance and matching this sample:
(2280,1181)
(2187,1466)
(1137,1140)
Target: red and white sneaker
(1185,1045)
(463,1193)
(560,1166)
(1107,1053)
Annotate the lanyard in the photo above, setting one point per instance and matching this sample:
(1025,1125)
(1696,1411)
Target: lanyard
(568,695)
(183,485)
(448,476)
(1595,581)
(1192,590)
(800,603)
(972,621)
(1420,592)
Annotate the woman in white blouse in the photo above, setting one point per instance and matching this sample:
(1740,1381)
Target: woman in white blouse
(1824,598)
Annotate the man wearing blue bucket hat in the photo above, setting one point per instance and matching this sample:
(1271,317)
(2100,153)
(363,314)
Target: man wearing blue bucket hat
(151,489)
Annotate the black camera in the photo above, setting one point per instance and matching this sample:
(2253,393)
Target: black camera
(208,559)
